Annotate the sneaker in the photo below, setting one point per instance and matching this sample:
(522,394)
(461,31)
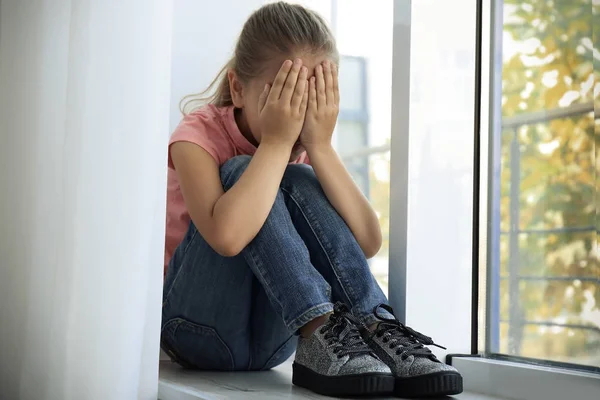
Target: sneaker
(417,370)
(336,361)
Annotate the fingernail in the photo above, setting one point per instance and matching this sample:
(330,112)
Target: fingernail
(297,61)
(304,69)
(287,63)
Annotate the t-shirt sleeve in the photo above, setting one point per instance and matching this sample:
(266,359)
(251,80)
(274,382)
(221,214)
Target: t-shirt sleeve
(195,128)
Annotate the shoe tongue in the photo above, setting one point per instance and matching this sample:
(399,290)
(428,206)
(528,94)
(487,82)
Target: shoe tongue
(392,329)
(398,334)
(342,316)
(340,326)
(345,331)
(348,335)
(340,308)
(410,343)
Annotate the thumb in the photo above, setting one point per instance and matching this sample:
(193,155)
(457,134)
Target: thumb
(262,99)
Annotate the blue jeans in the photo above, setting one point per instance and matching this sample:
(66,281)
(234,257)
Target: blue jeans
(242,313)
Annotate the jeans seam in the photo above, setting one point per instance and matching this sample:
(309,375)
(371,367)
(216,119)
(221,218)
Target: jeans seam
(204,330)
(275,354)
(180,268)
(343,284)
(267,287)
(267,284)
(367,318)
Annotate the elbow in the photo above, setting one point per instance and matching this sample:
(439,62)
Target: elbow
(225,240)
(371,250)
(372,244)
(227,248)
(228,244)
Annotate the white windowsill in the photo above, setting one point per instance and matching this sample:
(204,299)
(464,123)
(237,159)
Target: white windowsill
(176,383)
(520,381)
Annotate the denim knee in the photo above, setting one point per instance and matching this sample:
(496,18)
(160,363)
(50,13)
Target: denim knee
(233,169)
(303,178)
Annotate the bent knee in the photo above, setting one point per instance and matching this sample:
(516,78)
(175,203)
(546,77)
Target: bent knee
(237,162)
(233,169)
(301,174)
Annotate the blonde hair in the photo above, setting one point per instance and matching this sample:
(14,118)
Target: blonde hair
(276,28)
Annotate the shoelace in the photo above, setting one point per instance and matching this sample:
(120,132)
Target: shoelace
(397,335)
(342,333)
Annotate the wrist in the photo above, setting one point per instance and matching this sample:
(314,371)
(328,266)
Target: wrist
(275,145)
(316,149)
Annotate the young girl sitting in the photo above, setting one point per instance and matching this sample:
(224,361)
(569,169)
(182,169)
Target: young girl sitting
(268,236)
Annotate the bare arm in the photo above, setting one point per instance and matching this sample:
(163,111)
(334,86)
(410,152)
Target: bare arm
(341,191)
(347,199)
(229,221)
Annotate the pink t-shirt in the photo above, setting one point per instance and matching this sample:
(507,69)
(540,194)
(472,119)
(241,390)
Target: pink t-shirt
(215,130)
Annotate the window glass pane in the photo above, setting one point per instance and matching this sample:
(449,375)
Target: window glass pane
(545,286)
(365,29)
(351,80)
(352,136)
(372,174)
(379,195)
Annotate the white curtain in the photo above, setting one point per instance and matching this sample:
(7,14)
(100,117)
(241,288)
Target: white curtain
(84,114)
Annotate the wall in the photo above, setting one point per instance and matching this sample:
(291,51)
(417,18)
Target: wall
(204,35)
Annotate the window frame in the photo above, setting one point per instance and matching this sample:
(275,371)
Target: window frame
(507,377)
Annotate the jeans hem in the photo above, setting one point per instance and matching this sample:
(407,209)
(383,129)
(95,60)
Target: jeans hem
(309,315)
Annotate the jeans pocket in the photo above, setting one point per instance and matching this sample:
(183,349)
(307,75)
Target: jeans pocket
(195,346)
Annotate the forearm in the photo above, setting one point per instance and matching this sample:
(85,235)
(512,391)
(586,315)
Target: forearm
(241,212)
(346,198)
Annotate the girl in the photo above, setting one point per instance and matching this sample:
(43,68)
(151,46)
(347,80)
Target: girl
(261,241)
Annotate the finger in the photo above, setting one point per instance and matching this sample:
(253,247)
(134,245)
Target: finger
(299,90)
(312,94)
(336,86)
(290,82)
(279,81)
(320,78)
(328,82)
(304,103)
(262,99)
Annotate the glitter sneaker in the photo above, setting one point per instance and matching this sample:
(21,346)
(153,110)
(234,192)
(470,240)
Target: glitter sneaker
(418,372)
(336,361)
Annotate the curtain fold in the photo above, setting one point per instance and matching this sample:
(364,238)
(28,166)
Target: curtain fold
(84,120)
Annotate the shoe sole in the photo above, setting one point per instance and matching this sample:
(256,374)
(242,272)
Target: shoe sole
(375,384)
(430,385)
